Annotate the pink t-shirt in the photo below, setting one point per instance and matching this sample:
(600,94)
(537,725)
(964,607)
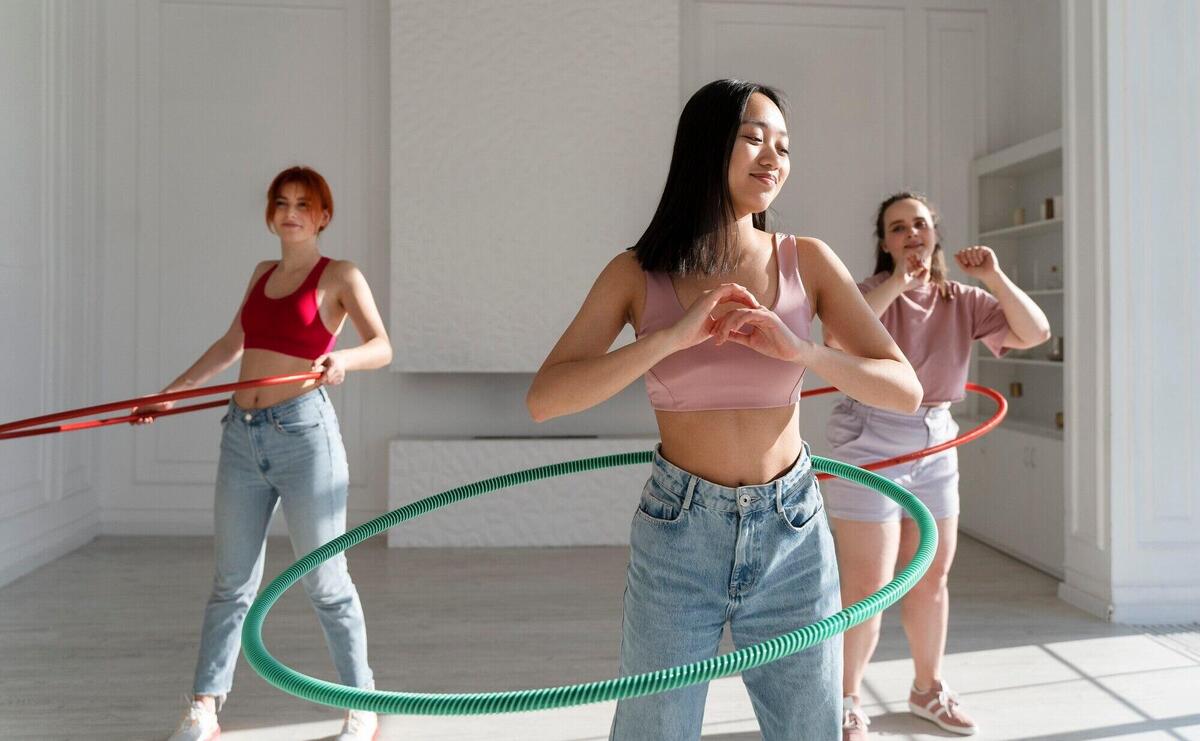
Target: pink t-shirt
(935,334)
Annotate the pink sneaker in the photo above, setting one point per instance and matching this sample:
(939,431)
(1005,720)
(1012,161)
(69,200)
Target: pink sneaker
(939,704)
(854,720)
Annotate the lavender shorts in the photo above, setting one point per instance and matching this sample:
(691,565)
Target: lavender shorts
(860,434)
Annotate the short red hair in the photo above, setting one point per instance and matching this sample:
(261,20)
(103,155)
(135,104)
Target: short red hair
(320,198)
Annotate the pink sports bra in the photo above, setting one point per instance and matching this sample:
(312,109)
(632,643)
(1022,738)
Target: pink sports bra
(731,376)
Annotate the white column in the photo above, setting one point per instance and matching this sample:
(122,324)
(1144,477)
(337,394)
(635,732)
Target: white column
(1132,114)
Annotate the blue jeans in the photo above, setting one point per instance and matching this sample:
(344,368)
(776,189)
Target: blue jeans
(758,557)
(291,453)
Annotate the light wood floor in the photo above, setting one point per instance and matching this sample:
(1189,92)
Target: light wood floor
(101,645)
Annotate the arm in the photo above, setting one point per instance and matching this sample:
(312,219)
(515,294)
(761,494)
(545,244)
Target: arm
(220,355)
(871,369)
(1027,323)
(904,277)
(879,298)
(355,297)
(580,372)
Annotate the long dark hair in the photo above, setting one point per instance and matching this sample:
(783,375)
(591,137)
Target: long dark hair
(693,229)
(937,263)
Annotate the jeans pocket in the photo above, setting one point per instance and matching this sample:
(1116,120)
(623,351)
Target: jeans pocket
(800,509)
(299,421)
(844,426)
(659,507)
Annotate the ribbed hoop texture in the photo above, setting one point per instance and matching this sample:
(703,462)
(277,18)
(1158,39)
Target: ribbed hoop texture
(416,703)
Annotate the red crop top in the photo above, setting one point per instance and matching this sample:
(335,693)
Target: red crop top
(290,324)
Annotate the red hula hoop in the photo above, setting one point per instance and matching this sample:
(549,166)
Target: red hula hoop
(29,428)
(987,426)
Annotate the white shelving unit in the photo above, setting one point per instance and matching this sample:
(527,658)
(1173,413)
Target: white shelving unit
(1022,177)
(1012,493)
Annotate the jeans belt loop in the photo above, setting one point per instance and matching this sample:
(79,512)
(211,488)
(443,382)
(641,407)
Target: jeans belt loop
(691,488)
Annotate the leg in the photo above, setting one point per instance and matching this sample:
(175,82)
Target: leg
(676,598)
(309,469)
(242,511)
(866,553)
(796,697)
(925,610)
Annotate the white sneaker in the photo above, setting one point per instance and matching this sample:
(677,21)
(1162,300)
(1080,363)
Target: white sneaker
(198,724)
(360,725)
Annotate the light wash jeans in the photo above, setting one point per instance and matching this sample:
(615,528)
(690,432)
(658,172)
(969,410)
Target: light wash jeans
(758,557)
(291,453)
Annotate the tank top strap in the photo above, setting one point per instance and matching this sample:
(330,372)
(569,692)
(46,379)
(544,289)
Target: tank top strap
(794,304)
(314,275)
(260,287)
(662,306)
(785,253)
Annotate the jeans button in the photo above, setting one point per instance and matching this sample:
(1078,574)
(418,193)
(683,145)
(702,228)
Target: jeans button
(247,417)
(744,500)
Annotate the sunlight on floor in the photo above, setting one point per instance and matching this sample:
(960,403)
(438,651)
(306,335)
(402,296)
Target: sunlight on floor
(1121,687)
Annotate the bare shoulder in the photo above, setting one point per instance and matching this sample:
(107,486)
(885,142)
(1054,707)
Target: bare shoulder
(343,273)
(343,268)
(814,254)
(621,286)
(623,268)
(261,268)
(819,266)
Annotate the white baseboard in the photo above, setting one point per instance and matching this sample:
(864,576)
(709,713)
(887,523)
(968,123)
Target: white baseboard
(192,522)
(1085,601)
(49,547)
(593,508)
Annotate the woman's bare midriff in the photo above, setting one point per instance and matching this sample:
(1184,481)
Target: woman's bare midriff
(262,363)
(735,447)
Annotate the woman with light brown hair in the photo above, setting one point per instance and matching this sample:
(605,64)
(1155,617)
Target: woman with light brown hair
(934,321)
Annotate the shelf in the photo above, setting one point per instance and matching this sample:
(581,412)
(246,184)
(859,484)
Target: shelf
(1017,425)
(1024,230)
(1021,159)
(1044,292)
(1023,361)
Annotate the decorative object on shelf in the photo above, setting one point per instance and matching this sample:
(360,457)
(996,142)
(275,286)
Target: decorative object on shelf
(1056,348)
(1058,420)
(1015,390)
(1047,209)
(1018,216)
(1054,277)
(1058,206)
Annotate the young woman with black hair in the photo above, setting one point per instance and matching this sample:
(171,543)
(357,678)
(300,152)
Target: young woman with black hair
(730,527)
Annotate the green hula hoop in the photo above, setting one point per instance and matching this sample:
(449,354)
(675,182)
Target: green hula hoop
(636,685)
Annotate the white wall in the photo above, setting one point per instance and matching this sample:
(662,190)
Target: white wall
(884,95)
(1133,507)
(529,145)
(179,286)
(48,257)
(1025,81)
(194,128)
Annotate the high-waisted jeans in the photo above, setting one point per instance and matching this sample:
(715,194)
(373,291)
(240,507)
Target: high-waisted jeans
(760,558)
(292,453)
